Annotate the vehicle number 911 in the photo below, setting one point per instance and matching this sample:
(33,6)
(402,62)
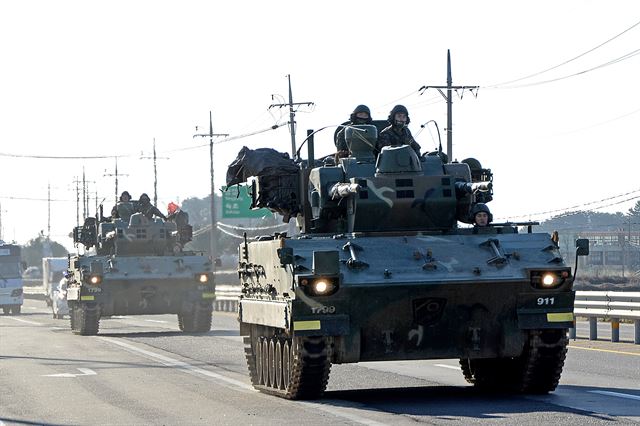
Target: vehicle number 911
(545,301)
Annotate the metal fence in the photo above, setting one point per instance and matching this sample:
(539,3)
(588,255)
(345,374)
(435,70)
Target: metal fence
(609,305)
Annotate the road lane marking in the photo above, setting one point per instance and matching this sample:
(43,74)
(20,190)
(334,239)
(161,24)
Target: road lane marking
(338,411)
(83,371)
(452,367)
(604,350)
(24,321)
(158,321)
(170,362)
(341,408)
(616,394)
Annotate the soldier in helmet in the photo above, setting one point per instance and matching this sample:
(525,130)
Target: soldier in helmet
(149,210)
(360,115)
(397,133)
(124,208)
(481,215)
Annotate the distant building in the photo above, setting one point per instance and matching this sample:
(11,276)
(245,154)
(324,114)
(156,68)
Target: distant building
(618,250)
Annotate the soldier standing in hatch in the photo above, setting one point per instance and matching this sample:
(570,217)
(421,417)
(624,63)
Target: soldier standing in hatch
(397,133)
(360,115)
(149,210)
(481,215)
(124,208)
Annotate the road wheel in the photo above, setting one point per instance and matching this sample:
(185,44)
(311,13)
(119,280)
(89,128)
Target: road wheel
(259,360)
(272,362)
(87,319)
(15,309)
(277,383)
(286,364)
(265,362)
(6,310)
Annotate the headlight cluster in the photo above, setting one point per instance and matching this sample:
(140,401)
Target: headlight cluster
(319,286)
(549,279)
(94,279)
(203,277)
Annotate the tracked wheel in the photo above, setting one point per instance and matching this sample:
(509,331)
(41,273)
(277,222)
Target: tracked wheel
(536,371)
(292,368)
(86,319)
(198,320)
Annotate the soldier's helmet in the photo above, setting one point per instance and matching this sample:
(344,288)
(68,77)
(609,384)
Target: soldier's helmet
(356,120)
(125,196)
(396,109)
(481,207)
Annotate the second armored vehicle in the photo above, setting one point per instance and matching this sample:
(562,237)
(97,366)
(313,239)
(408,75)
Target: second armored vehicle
(381,271)
(139,267)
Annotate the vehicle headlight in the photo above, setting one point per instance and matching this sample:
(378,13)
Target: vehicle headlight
(203,278)
(319,286)
(95,279)
(549,279)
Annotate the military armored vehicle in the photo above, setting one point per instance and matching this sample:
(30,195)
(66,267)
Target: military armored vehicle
(137,266)
(383,271)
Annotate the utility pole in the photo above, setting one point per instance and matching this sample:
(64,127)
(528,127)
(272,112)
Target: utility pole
(115,174)
(212,245)
(77,182)
(292,116)
(447,97)
(84,194)
(155,172)
(48,209)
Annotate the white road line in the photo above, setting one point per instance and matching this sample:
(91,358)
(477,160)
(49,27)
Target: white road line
(24,321)
(158,321)
(344,409)
(31,307)
(84,371)
(170,362)
(452,367)
(616,394)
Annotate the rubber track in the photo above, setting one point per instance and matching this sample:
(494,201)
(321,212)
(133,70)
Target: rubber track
(87,321)
(309,372)
(545,355)
(536,371)
(198,321)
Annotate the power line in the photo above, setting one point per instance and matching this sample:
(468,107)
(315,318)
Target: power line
(605,64)
(563,63)
(569,209)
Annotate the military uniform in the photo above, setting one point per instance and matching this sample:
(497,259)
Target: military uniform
(397,133)
(392,136)
(340,141)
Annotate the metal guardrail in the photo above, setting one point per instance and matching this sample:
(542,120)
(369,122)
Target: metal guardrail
(612,305)
(227,298)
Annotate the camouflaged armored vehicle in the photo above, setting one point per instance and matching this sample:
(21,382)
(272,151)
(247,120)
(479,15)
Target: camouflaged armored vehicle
(382,271)
(138,267)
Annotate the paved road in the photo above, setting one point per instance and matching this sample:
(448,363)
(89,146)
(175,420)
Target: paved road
(142,370)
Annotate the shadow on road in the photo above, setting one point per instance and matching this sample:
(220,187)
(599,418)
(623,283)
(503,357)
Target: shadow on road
(449,402)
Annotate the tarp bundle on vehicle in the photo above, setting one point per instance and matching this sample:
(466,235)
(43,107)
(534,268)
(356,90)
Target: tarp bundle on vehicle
(259,162)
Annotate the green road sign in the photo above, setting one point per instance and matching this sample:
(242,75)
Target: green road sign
(236,202)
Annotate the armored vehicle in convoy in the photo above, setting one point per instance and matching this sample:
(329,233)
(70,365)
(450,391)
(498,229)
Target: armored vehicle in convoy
(137,266)
(382,271)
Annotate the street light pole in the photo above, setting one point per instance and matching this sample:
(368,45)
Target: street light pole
(212,245)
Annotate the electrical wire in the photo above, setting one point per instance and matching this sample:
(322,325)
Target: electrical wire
(573,208)
(562,63)
(102,157)
(537,83)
